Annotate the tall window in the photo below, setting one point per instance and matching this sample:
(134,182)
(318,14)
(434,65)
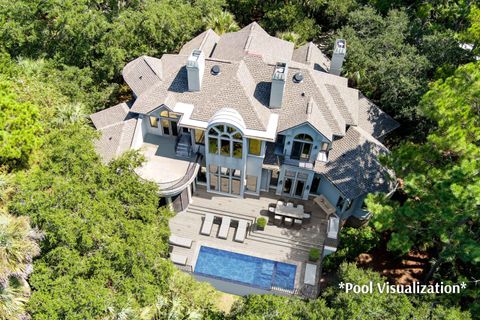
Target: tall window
(224,180)
(169,114)
(254,147)
(199,136)
(154,122)
(226,141)
(302,147)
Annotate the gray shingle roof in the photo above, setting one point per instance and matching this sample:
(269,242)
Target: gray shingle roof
(373,120)
(354,167)
(116,128)
(312,56)
(142,73)
(253,40)
(247,59)
(205,41)
(110,116)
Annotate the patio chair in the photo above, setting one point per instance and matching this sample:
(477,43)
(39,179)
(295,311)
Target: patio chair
(224,228)
(307,216)
(180,241)
(300,206)
(241,232)
(290,204)
(207,224)
(288,221)
(178,259)
(280,203)
(271,208)
(278,220)
(297,222)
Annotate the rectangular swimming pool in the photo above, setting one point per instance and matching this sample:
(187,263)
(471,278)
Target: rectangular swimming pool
(252,271)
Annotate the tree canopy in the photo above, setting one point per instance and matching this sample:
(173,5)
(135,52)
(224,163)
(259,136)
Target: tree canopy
(440,182)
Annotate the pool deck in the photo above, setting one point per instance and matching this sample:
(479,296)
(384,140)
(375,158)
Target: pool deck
(290,245)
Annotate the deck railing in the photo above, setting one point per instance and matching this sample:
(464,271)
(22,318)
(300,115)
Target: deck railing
(172,185)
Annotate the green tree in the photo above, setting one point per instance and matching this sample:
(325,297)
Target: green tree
(20,128)
(105,240)
(384,66)
(439,210)
(376,305)
(472,34)
(18,247)
(222,23)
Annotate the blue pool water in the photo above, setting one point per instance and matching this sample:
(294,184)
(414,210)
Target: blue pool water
(245,269)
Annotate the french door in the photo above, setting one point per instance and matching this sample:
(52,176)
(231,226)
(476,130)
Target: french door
(169,127)
(294,184)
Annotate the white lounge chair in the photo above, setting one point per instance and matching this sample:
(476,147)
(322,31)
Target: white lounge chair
(207,225)
(241,231)
(310,274)
(333,227)
(178,259)
(180,241)
(224,228)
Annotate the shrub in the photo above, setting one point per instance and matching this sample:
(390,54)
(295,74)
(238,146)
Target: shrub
(261,223)
(314,254)
(353,241)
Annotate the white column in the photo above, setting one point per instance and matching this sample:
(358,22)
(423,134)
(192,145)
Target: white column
(169,203)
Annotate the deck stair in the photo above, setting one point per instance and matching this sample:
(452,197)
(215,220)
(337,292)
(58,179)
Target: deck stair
(183,147)
(260,236)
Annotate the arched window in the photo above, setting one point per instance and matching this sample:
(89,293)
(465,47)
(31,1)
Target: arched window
(225,140)
(302,147)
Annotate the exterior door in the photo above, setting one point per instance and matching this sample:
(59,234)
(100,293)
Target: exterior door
(294,184)
(174,126)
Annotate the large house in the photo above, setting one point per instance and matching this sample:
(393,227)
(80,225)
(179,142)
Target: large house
(245,113)
(261,114)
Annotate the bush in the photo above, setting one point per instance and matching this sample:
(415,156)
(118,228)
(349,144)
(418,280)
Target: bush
(261,223)
(314,254)
(353,241)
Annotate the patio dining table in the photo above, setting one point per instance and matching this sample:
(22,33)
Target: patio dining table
(289,211)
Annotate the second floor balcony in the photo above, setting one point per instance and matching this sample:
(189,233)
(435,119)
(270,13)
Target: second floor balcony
(165,167)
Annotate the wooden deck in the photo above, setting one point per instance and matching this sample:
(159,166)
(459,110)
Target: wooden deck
(283,244)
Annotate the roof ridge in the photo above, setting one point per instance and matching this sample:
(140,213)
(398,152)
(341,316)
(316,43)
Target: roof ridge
(151,68)
(207,34)
(332,112)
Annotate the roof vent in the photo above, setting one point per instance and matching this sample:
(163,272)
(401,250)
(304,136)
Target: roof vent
(297,77)
(215,70)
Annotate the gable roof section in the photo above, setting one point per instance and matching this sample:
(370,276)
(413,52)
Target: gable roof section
(110,116)
(205,41)
(142,73)
(253,40)
(312,56)
(353,165)
(373,120)
(117,128)
(244,84)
